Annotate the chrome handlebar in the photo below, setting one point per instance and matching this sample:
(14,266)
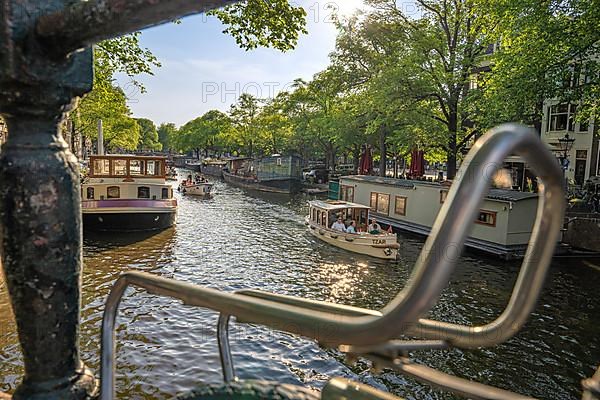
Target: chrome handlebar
(333,324)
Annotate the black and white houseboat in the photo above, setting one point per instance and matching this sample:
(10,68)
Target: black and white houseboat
(127,193)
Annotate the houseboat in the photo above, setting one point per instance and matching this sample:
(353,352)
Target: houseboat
(127,193)
(276,174)
(213,167)
(502,228)
(322,215)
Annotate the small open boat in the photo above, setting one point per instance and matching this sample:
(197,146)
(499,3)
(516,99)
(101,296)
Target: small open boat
(200,186)
(322,214)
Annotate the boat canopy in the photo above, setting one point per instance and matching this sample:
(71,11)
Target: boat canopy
(334,205)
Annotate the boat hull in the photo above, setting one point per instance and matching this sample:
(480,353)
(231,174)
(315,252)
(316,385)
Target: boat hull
(203,190)
(381,246)
(285,186)
(128,215)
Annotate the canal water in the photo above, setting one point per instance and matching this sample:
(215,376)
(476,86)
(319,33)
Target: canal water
(239,240)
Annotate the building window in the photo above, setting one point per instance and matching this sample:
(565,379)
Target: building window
(486,218)
(558,117)
(90,193)
(400,205)
(380,203)
(143,192)
(443,196)
(581,154)
(347,193)
(113,192)
(562,117)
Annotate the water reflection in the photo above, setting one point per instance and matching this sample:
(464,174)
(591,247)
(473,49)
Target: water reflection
(238,240)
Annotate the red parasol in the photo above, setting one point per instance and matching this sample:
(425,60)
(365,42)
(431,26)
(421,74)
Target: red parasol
(365,165)
(417,164)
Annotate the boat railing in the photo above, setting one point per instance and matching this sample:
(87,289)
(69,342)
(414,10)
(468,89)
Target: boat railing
(374,334)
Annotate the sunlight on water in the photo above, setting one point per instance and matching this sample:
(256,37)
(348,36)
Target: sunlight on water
(238,240)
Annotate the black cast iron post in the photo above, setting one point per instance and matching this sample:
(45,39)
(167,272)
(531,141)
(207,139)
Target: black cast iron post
(40,212)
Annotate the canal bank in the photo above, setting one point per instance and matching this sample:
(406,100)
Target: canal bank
(242,240)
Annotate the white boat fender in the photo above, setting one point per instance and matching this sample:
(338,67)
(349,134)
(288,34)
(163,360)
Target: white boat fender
(333,236)
(349,239)
(321,232)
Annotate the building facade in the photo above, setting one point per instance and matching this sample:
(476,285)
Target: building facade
(581,161)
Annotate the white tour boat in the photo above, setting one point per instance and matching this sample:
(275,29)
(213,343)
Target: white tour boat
(322,214)
(127,193)
(200,186)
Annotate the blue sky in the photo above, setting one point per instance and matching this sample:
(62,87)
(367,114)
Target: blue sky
(203,69)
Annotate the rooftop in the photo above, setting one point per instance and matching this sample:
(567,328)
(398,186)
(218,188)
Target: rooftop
(494,194)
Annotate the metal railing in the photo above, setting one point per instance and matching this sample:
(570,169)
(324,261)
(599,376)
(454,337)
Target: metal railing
(372,333)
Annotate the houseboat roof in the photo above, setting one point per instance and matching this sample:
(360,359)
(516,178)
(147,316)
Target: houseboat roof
(335,205)
(494,194)
(128,156)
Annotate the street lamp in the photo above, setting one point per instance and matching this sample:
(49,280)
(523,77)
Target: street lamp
(565,144)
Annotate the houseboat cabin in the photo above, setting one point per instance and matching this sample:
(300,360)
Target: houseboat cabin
(127,193)
(323,214)
(502,228)
(276,174)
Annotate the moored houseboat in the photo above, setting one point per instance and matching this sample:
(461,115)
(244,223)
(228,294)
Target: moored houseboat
(127,193)
(213,167)
(323,214)
(503,227)
(276,174)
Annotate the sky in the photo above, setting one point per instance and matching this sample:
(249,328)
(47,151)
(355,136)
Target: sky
(204,69)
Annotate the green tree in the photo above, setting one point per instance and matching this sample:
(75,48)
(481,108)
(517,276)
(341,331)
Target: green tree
(166,134)
(149,135)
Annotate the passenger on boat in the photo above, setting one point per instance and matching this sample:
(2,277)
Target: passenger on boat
(374,228)
(352,227)
(339,225)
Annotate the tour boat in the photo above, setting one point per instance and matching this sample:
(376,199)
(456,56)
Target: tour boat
(127,193)
(171,173)
(322,214)
(197,187)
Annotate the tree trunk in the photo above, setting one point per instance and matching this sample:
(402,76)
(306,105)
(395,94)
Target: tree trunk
(451,154)
(356,157)
(382,151)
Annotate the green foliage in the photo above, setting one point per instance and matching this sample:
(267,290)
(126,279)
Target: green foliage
(254,23)
(166,135)
(149,135)
(120,130)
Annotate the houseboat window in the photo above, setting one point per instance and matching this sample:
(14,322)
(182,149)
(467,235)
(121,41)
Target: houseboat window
(151,168)
(101,167)
(347,193)
(443,195)
(143,192)
(324,219)
(165,193)
(136,167)
(486,218)
(380,203)
(120,167)
(400,206)
(314,214)
(319,217)
(90,193)
(113,192)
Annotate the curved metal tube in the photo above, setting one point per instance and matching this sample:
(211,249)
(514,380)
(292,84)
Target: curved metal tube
(224,348)
(331,325)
